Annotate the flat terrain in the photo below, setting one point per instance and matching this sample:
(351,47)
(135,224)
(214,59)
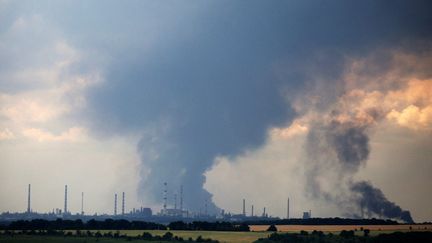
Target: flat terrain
(59,239)
(222,236)
(258,231)
(375,229)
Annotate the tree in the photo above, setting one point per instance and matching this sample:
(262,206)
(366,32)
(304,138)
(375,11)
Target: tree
(167,236)
(272,228)
(147,236)
(244,227)
(366,232)
(347,233)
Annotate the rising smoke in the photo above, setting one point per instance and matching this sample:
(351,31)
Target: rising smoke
(214,83)
(373,200)
(338,146)
(343,147)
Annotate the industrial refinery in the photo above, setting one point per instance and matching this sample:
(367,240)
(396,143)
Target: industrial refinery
(167,214)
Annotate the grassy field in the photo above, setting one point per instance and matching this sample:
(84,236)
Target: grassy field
(59,239)
(336,228)
(258,231)
(374,229)
(222,236)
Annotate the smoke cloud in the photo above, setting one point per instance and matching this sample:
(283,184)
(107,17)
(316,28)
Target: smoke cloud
(373,200)
(338,141)
(350,145)
(210,81)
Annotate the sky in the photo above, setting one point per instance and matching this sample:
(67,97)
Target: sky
(325,102)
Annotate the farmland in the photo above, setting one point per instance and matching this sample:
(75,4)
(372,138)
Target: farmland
(257,231)
(221,236)
(375,229)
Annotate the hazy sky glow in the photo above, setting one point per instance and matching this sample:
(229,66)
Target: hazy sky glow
(248,99)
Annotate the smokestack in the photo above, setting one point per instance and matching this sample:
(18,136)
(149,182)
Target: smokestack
(65,201)
(115,204)
(252,209)
(181,197)
(205,207)
(28,199)
(165,192)
(244,207)
(82,203)
(123,203)
(264,213)
(288,209)
(310,213)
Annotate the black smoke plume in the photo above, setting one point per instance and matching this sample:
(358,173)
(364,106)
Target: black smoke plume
(348,141)
(374,201)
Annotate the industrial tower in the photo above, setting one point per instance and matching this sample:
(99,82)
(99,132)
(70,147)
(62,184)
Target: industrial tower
(165,192)
(181,197)
(82,203)
(28,199)
(288,206)
(244,207)
(65,201)
(123,203)
(115,204)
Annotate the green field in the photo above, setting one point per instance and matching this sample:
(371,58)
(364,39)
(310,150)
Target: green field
(59,239)
(222,236)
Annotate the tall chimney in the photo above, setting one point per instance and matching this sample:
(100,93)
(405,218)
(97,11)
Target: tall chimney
(28,199)
(288,216)
(264,213)
(252,211)
(205,208)
(181,197)
(165,192)
(244,207)
(65,201)
(115,204)
(82,203)
(123,203)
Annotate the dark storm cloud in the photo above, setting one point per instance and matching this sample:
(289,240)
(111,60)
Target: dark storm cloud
(198,81)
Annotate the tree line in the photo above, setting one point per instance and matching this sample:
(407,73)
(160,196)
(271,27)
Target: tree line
(347,236)
(60,224)
(209,226)
(168,236)
(324,221)
(121,224)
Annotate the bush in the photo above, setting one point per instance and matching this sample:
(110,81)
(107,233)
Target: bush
(272,228)
(318,233)
(366,232)
(147,236)
(167,236)
(347,234)
(244,227)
